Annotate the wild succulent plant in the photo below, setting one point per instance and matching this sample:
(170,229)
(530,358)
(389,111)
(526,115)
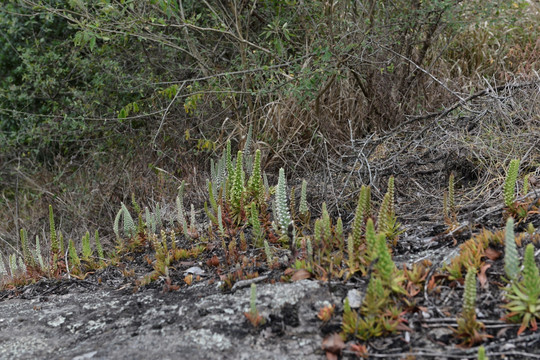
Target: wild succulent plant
(309,250)
(253,315)
(116,224)
(326,224)
(451,195)
(385,265)
(218,170)
(303,206)
(151,222)
(511,262)
(371,241)
(157,219)
(27,255)
(387,221)
(362,209)
(13,265)
(74,260)
(221,228)
(99,248)
(365,200)
(349,323)
(237,189)
(54,241)
(377,313)
(339,229)
(384,214)
(87,252)
(38,256)
(129,226)
(524,296)
(283,216)
(386,268)
(377,297)
(469,329)
(482,353)
(510,183)
(268,253)
(135,204)
(391,192)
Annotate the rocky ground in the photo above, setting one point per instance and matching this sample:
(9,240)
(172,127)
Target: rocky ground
(106,317)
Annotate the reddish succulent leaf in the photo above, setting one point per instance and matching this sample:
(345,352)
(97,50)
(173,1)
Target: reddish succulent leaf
(301,275)
(492,254)
(333,344)
(431,284)
(360,350)
(403,327)
(482,275)
(412,289)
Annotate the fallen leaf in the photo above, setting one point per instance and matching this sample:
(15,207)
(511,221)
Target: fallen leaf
(403,327)
(214,261)
(301,275)
(492,254)
(189,279)
(333,344)
(482,275)
(288,271)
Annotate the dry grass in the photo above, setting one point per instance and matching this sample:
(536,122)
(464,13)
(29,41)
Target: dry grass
(476,141)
